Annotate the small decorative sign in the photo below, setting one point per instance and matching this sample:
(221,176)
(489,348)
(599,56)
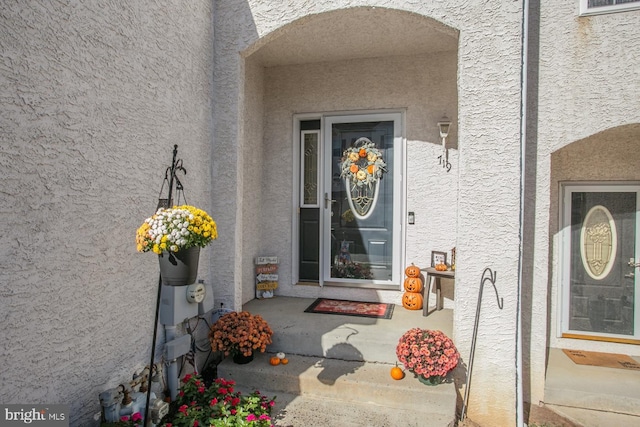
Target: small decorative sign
(266,276)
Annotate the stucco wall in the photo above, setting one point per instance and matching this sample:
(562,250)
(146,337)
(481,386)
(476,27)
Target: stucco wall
(487,168)
(585,88)
(94,96)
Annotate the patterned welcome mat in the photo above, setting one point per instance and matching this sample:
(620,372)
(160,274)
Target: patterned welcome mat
(351,308)
(607,360)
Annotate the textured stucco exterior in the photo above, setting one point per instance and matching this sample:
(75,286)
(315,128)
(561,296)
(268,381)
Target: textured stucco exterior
(588,112)
(475,207)
(94,96)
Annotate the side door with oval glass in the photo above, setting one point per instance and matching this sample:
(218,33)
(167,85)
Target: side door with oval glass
(600,283)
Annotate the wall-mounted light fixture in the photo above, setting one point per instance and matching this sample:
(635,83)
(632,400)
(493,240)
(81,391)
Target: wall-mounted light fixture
(444,125)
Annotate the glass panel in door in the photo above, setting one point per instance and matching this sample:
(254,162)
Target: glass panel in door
(600,280)
(362,242)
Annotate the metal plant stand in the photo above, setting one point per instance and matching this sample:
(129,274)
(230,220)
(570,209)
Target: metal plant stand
(170,176)
(487,276)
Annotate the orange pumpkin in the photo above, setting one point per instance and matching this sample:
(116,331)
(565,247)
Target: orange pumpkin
(441,267)
(284,361)
(412,271)
(413,284)
(397,373)
(412,301)
(274,360)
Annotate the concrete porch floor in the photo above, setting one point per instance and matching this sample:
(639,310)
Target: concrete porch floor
(592,396)
(341,337)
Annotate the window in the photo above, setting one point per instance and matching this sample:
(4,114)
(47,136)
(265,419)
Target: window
(309,168)
(593,7)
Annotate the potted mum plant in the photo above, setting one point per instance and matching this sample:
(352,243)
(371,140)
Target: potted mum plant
(240,335)
(217,405)
(176,235)
(429,354)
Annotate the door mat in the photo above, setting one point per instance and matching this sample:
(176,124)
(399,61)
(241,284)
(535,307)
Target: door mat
(607,360)
(351,308)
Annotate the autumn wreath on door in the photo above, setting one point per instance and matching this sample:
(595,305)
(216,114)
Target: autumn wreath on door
(362,168)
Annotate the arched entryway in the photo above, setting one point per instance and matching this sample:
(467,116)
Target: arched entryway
(356,62)
(595,189)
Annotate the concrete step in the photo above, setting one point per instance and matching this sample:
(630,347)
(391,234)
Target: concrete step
(338,371)
(593,388)
(355,384)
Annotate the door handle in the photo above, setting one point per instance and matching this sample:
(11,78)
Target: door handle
(327,200)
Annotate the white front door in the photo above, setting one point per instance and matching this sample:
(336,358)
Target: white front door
(599,262)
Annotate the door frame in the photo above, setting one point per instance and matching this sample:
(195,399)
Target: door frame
(399,237)
(563,313)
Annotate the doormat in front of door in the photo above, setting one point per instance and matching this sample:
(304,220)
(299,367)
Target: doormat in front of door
(607,360)
(376,310)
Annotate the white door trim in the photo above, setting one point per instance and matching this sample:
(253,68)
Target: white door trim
(398,116)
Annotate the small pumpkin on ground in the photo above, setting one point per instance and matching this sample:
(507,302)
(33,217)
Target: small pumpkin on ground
(284,361)
(396,372)
(274,360)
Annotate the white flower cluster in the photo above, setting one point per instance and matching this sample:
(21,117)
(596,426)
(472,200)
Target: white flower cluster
(170,227)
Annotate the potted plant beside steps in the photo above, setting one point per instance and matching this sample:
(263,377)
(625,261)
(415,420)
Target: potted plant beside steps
(430,355)
(240,335)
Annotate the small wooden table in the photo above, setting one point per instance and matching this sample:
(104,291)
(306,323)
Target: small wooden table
(435,275)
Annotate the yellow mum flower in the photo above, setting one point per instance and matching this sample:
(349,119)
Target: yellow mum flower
(156,231)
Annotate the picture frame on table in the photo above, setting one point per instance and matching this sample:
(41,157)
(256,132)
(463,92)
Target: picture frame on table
(438,257)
